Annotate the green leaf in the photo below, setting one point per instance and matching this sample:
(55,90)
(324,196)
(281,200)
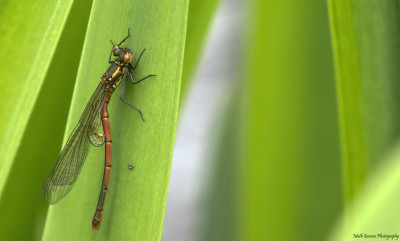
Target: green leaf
(29,34)
(42,139)
(376,204)
(292,168)
(365,35)
(200,15)
(135,203)
(221,220)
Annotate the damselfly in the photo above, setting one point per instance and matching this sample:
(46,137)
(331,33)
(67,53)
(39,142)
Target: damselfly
(86,132)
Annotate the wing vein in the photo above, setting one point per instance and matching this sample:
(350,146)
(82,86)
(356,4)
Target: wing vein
(73,155)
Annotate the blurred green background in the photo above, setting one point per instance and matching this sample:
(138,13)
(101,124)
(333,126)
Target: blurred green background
(287,127)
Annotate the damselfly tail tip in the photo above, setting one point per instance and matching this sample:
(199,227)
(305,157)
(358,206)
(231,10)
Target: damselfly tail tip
(96,222)
(95,227)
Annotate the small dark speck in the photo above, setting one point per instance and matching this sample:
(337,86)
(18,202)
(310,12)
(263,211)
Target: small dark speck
(130,166)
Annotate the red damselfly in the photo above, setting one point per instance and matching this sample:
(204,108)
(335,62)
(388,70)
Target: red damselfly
(86,132)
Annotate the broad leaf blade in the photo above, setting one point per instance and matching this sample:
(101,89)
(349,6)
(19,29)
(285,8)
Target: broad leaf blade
(40,144)
(374,214)
(292,169)
(29,35)
(366,34)
(200,15)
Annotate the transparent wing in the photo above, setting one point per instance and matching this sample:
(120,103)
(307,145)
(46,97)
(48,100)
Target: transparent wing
(75,150)
(95,137)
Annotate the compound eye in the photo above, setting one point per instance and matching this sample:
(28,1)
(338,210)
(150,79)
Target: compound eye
(115,50)
(127,58)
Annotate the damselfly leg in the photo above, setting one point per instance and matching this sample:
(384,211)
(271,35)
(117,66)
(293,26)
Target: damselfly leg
(126,102)
(125,38)
(129,74)
(137,61)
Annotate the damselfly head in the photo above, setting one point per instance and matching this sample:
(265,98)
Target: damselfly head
(124,54)
(117,51)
